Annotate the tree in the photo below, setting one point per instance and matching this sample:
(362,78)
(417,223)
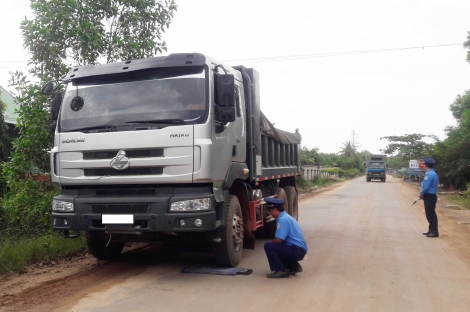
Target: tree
(397,163)
(75,32)
(460,105)
(349,150)
(65,33)
(3,131)
(408,146)
(467,45)
(453,154)
(68,33)
(310,157)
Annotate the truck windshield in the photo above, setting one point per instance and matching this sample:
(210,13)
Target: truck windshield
(376,165)
(125,100)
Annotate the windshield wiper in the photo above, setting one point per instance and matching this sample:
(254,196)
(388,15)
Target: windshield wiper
(112,127)
(160,121)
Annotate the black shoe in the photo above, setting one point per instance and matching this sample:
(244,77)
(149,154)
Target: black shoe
(296,270)
(427,233)
(432,235)
(278,274)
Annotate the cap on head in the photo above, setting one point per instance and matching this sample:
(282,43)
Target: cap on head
(429,162)
(275,202)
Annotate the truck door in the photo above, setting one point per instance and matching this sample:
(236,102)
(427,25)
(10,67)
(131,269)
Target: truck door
(229,140)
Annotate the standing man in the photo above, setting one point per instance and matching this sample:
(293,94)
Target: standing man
(288,246)
(428,194)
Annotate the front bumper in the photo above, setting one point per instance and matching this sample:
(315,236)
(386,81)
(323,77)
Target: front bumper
(375,175)
(150,213)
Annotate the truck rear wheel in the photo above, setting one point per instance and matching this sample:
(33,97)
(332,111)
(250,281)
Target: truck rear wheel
(228,252)
(292,201)
(281,194)
(98,246)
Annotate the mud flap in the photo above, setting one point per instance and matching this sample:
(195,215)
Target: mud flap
(248,243)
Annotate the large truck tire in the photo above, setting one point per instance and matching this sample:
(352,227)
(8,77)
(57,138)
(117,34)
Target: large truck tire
(228,252)
(292,201)
(281,194)
(98,246)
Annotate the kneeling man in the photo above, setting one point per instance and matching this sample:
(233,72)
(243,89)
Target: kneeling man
(288,247)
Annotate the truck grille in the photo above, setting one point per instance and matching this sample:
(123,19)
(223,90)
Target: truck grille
(130,154)
(128,172)
(127,192)
(119,209)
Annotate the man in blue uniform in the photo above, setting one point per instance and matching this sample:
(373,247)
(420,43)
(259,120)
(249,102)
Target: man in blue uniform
(288,247)
(428,194)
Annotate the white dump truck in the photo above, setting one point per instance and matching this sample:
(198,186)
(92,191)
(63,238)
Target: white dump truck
(171,146)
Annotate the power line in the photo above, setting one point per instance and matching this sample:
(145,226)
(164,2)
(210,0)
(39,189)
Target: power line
(306,56)
(331,54)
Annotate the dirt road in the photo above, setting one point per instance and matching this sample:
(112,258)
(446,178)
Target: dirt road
(366,253)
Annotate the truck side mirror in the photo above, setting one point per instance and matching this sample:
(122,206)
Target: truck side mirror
(224,87)
(48,88)
(224,93)
(225,114)
(55,108)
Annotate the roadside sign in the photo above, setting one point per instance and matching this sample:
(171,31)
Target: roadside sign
(414,163)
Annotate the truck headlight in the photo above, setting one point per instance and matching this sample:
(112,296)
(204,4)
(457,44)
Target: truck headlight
(191,205)
(61,206)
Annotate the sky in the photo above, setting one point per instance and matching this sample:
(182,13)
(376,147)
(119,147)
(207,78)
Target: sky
(407,90)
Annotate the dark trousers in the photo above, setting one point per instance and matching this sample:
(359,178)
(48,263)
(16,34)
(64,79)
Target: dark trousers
(430,201)
(283,256)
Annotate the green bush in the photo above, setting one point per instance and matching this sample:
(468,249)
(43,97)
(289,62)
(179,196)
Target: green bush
(3,182)
(27,208)
(343,173)
(303,186)
(319,182)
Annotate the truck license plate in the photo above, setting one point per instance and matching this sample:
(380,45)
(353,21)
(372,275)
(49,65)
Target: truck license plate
(117,219)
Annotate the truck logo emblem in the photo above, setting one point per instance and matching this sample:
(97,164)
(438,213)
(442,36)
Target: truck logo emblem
(120,162)
(73,140)
(179,134)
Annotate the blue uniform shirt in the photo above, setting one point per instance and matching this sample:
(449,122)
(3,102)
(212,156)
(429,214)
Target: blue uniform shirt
(288,230)
(430,182)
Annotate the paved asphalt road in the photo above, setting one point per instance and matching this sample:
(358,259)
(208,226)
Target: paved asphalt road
(366,253)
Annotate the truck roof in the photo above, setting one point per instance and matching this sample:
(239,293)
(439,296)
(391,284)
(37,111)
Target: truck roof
(172,60)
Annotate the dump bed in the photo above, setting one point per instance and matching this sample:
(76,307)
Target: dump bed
(279,152)
(271,153)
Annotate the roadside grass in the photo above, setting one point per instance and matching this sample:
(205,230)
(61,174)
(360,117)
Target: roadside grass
(303,186)
(16,254)
(459,200)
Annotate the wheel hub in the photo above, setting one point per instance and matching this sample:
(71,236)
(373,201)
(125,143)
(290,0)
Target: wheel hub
(237,231)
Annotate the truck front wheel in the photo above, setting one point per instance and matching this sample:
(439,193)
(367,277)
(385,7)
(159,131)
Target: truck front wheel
(228,252)
(101,247)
